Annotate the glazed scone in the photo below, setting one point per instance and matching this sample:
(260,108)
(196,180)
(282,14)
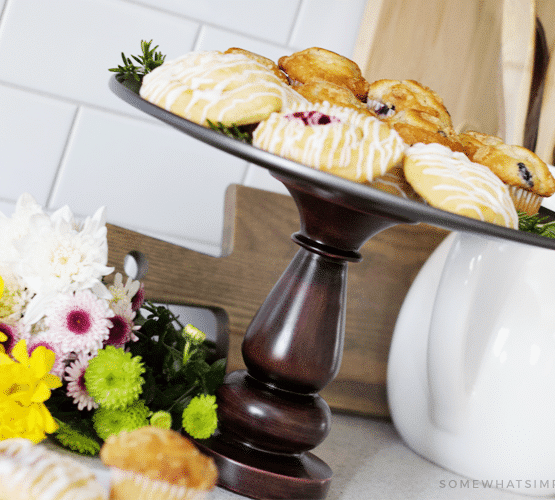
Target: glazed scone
(316,63)
(32,472)
(232,89)
(151,462)
(334,139)
(450,181)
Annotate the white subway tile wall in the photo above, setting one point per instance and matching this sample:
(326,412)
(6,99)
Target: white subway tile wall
(66,139)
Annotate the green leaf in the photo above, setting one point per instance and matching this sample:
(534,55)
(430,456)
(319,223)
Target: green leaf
(147,61)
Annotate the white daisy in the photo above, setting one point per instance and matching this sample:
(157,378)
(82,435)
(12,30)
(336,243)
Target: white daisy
(80,322)
(123,295)
(76,388)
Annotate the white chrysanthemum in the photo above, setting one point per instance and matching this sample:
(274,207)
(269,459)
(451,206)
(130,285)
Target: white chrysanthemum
(59,256)
(79,322)
(14,298)
(13,228)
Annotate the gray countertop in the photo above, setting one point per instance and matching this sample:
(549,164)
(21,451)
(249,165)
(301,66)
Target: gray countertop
(370,461)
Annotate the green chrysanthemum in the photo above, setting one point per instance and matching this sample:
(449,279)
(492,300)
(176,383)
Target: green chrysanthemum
(200,419)
(108,421)
(76,440)
(113,378)
(161,419)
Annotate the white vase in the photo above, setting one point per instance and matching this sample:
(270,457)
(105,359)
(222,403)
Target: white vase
(471,374)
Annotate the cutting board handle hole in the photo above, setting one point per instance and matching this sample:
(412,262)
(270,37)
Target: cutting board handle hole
(135,265)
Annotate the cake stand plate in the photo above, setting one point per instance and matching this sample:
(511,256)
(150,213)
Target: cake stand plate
(270,415)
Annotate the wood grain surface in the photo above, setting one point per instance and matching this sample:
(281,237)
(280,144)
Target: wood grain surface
(257,249)
(453,47)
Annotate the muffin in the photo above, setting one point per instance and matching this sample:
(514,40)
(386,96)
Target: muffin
(151,462)
(527,177)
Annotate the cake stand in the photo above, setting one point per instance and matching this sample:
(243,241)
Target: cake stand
(270,415)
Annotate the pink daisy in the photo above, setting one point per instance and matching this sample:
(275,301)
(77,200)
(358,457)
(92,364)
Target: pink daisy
(120,332)
(13,334)
(76,389)
(139,298)
(43,340)
(80,322)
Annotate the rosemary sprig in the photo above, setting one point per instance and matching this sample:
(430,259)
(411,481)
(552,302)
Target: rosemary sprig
(232,131)
(536,224)
(149,60)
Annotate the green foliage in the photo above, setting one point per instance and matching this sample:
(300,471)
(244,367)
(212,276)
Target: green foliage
(536,224)
(133,75)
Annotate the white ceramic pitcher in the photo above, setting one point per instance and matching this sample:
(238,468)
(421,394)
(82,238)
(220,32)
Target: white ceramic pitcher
(471,374)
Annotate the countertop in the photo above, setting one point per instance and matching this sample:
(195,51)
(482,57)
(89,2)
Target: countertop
(370,461)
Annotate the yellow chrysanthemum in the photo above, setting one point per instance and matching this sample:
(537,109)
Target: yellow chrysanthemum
(25,384)
(1,286)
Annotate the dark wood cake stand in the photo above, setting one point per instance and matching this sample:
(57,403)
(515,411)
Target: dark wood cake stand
(270,414)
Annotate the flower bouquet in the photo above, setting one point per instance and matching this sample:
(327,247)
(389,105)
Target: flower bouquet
(81,359)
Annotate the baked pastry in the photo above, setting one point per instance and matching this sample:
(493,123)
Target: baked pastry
(334,139)
(450,181)
(394,182)
(414,110)
(317,91)
(32,472)
(410,102)
(271,65)
(316,63)
(528,178)
(152,462)
(232,89)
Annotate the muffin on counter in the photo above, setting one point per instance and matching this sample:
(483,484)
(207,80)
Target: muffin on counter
(151,462)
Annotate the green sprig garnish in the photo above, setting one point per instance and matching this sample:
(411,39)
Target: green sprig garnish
(536,224)
(149,60)
(232,131)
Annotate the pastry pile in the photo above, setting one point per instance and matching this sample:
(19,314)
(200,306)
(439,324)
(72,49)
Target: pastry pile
(316,108)
(146,463)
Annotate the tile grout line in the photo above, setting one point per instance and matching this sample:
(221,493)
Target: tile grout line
(65,151)
(295,24)
(202,22)
(3,14)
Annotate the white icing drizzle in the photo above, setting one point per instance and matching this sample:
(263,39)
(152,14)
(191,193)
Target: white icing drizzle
(353,143)
(474,186)
(216,80)
(37,473)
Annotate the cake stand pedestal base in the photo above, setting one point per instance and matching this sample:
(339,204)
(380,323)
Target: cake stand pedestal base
(270,415)
(257,474)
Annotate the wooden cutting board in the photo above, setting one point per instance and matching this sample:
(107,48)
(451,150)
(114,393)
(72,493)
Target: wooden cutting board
(257,249)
